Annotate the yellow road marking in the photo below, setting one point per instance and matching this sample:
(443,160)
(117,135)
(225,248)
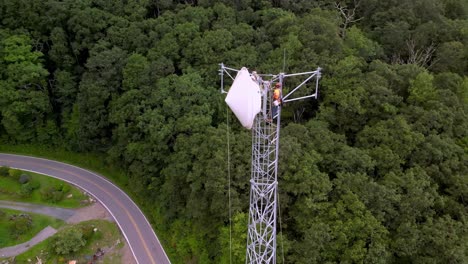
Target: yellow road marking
(89,181)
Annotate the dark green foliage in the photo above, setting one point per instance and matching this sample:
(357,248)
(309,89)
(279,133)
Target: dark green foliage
(26,189)
(52,194)
(87,231)
(34,184)
(20,224)
(24,178)
(372,172)
(4,171)
(65,188)
(68,241)
(25,101)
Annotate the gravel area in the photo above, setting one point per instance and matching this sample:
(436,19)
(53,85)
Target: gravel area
(127,256)
(60,213)
(94,211)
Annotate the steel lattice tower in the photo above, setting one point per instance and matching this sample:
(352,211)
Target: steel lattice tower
(261,237)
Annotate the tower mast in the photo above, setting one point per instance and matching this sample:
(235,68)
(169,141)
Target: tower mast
(261,237)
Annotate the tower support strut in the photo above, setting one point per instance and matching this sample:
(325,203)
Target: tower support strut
(261,237)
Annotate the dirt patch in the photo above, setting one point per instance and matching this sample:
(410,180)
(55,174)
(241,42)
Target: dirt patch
(94,211)
(127,256)
(97,211)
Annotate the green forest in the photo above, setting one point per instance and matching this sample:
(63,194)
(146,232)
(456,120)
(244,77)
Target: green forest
(374,171)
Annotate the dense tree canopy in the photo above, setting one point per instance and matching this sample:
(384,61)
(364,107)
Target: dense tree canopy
(375,171)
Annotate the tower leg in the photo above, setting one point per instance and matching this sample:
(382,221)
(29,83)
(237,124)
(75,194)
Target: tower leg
(261,238)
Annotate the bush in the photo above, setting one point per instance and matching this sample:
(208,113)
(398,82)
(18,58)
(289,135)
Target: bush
(20,224)
(64,188)
(51,194)
(57,196)
(68,241)
(2,214)
(15,174)
(26,190)
(35,184)
(4,171)
(88,231)
(24,178)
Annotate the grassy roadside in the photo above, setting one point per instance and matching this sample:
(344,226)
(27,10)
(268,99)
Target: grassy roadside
(96,163)
(39,222)
(107,238)
(10,189)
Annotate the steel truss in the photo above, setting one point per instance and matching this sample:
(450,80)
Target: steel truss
(261,237)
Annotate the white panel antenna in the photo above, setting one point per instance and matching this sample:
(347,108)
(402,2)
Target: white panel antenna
(258,107)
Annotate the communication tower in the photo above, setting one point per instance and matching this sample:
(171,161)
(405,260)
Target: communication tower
(252,99)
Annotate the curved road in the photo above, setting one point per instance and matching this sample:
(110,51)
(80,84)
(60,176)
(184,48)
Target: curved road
(135,227)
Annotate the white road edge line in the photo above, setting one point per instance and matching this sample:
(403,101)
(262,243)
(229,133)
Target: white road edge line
(105,179)
(123,232)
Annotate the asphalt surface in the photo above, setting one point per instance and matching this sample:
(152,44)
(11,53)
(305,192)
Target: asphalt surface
(136,229)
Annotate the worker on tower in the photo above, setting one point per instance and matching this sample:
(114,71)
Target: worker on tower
(276,99)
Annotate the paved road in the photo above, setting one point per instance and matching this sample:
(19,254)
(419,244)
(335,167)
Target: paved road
(135,227)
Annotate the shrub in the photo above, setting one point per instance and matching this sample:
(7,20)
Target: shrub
(68,241)
(51,194)
(88,231)
(4,171)
(15,174)
(35,184)
(26,190)
(20,224)
(2,214)
(24,178)
(64,188)
(57,196)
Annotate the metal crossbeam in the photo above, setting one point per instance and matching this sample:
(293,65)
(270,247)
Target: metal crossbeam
(261,237)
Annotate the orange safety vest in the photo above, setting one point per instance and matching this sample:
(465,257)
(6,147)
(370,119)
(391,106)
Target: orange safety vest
(277,95)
